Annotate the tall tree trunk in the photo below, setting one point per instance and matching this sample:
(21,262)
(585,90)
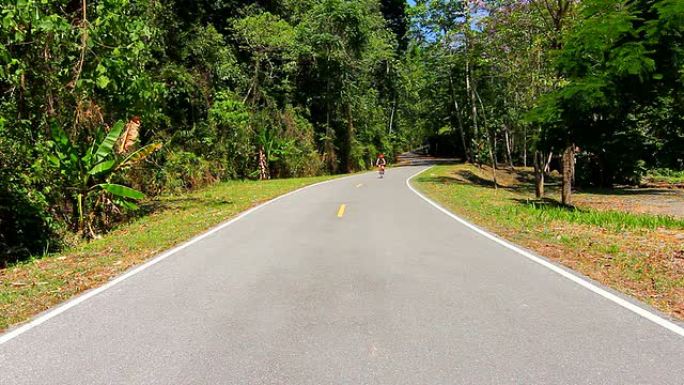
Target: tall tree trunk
(525,146)
(495,149)
(459,119)
(349,139)
(539,174)
(330,134)
(566,188)
(491,138)
(492,156)
(473,99)
(392,112)
(507,138)
(574,164)
(470,83)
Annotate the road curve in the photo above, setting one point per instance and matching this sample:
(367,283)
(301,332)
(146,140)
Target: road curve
(385,290)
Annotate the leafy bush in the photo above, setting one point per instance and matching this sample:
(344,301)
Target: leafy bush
(292,148)
(184,171)
(229,120)
(26,225)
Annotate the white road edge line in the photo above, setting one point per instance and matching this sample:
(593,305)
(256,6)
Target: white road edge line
(580,281)
(13,333)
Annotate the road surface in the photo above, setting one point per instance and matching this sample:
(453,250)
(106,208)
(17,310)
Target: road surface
(387,290)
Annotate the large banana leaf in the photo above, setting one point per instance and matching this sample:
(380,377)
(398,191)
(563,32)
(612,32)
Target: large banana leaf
(102,167)
(105,148)
(121,191)
(126,204)
(139,155)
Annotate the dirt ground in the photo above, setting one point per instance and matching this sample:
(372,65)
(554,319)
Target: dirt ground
(659,201)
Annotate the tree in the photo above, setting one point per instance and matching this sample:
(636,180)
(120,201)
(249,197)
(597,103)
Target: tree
(347,43)
(609,66)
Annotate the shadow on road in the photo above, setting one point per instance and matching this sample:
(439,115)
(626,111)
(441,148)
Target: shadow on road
(413,159)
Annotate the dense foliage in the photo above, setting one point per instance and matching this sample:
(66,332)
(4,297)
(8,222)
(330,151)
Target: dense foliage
(308,87)
(501,81)
(104,101)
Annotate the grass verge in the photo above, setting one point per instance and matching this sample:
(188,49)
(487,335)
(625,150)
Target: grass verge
(664,177)
(29,287)
(639,254)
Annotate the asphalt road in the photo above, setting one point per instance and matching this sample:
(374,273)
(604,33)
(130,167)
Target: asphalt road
(393,291)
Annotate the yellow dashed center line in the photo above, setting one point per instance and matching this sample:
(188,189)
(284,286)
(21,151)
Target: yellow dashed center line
(340,212)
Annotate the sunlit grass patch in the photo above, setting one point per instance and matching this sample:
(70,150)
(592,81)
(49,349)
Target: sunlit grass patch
(616,220)
(664,175)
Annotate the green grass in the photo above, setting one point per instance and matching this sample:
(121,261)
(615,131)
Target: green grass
(664,175)
(517,208)
(639,254)
(614,220)
(29,287)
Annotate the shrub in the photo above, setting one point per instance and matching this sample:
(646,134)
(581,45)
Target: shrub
(185,170)
(26,225)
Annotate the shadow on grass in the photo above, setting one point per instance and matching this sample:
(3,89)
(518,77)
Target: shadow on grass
(524,176)
(471,178)
(164,204)
(475,179)
(526,182)
(546,203)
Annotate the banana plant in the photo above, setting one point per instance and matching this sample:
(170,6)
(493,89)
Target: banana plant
(89,170)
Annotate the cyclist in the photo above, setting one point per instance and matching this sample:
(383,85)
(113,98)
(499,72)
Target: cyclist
(380,163)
